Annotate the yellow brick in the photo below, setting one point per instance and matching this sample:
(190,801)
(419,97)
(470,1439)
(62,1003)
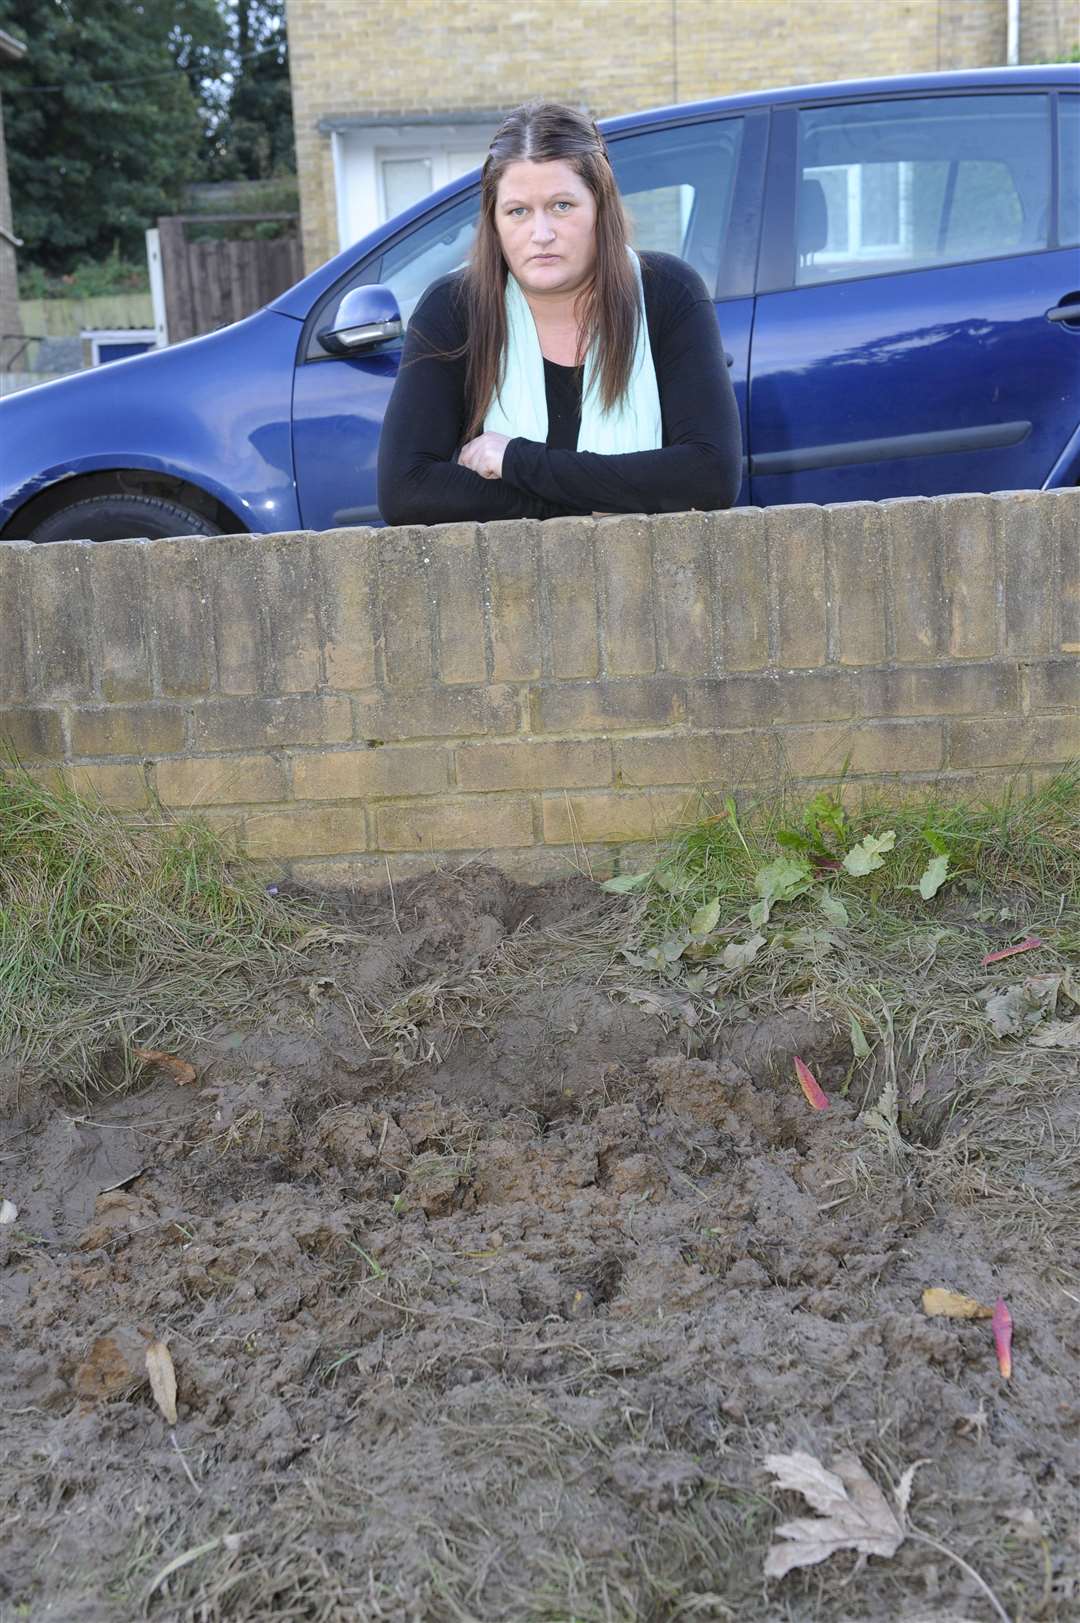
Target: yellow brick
(143,729)
(302,831)
(638,815)
(476,824)
(120,786)
(362,774)
(817,752)
(224,780)
(560,764)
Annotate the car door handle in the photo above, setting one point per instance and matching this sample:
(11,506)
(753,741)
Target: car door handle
(1064,312)
(729,359)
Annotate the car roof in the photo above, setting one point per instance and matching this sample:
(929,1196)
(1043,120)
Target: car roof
(1043,74)
(300,298)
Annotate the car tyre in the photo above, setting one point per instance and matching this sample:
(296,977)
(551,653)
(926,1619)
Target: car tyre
(122,518)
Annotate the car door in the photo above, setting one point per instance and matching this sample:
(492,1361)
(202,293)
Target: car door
(902,344)
(692,189)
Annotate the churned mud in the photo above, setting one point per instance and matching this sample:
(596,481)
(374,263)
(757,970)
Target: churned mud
(489,1290)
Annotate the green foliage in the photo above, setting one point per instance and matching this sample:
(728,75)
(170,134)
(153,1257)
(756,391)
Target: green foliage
(779,881)
(253,139)
(115,108)
(869,854)
(90,279)
(933,877)
(102,130)
(119,931)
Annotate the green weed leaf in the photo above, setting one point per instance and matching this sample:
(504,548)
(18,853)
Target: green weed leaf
(759,914)
(705,919)
(738,954)
(784,879)
(834,909)
(623,882)
(859,1045)
(868,854)
(933,877)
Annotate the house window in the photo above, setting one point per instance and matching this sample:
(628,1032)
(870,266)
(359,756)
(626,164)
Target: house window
(404,181)
(380,172)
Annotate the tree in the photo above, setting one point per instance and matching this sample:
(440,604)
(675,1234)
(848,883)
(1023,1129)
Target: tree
(103,128)
(253,139)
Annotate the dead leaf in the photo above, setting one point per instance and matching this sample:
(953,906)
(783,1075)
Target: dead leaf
(855,1515)
(181,1072)
(939,1303)
(159,1367)
(1028,945)
(1019,1008)
(815,1094)
(1057,1034)
(8,1211)
(112,1368)
(1002,1326)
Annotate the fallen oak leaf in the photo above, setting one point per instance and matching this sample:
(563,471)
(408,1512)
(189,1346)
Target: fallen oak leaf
(1002,1326)
(1028,945)
(940,1303)
(181,1072)
(815,1096)
(162,1373)
(854,1513)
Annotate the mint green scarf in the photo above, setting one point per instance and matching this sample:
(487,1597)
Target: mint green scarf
(519,409)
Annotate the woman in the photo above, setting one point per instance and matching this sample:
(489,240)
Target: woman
(559,372)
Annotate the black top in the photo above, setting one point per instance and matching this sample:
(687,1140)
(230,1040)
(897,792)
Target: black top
(698,466)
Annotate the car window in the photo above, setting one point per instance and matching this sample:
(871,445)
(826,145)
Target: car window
(436,247)
(1069,171)
(677,184)
(897,185)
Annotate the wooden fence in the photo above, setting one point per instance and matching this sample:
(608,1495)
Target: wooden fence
(208,284)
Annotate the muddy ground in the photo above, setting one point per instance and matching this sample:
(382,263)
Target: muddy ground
(502,1322)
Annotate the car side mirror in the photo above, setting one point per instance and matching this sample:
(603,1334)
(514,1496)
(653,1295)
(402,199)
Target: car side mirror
(366,316)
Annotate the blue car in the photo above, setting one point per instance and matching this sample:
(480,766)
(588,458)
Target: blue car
(896,268)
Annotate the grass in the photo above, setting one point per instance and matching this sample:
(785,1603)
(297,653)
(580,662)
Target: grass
(117,933)
(867,947)
(900,981)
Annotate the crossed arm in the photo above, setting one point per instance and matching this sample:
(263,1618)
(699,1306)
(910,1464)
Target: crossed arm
(426,476)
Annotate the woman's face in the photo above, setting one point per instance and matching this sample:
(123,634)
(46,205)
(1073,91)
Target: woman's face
(546,219)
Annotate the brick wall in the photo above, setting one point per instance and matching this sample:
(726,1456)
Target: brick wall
(357,699)
(613,56)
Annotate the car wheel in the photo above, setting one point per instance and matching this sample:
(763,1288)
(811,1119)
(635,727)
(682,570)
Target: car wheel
(122,518)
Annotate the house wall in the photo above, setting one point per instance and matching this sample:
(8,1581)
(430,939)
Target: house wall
(363,57)
(360,702)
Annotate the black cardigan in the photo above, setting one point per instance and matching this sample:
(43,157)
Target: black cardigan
(698,466)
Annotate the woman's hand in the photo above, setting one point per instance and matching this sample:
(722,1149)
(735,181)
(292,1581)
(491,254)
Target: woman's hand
(484,455)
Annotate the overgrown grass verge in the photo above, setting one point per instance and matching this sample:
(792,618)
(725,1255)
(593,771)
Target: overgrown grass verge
(117,932)
(967,1068)
(879,918)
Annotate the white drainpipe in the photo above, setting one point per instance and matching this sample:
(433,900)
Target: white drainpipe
(1012,42)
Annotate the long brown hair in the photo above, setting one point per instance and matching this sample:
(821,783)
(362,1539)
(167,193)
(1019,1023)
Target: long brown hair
(607,309)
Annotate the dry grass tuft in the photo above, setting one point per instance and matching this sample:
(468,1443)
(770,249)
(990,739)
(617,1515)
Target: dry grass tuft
(117,932)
